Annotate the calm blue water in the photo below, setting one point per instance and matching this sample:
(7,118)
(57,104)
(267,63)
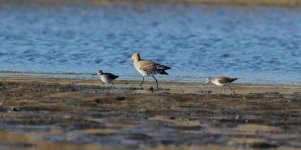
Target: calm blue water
(256,44)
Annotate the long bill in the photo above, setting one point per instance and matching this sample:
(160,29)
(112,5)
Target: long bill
(125,61)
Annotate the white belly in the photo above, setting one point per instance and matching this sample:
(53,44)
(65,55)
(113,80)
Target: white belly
(105,80)
(217,83)
(143,73)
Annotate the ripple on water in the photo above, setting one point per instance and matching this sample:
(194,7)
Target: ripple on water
(195,40)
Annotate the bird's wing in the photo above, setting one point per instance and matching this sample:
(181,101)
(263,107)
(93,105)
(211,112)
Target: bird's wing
(111,76)
(147,66)
(162,67)
(226,79)
(156,65)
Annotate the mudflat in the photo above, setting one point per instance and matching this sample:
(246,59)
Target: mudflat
(40,113)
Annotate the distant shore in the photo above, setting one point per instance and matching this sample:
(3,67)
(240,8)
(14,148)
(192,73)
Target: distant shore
(280,3)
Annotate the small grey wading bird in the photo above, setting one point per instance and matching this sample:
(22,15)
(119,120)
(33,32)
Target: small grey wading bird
(148,68)
(221,81)
(106,77)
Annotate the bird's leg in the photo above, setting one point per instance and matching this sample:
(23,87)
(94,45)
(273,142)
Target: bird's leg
(223,88)
(156,81)
(142,81)
(113,85)
(231,89)
(101,84)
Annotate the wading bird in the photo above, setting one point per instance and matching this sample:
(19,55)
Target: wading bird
(221,81)
(107,78)
(148,68)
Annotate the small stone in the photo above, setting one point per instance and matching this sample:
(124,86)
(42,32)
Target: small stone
(97,100)
(67,116)
(120,98)
(172,118)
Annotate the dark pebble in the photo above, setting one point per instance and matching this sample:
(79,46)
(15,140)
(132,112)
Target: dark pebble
(120,98)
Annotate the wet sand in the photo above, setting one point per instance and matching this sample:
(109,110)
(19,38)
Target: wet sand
(39,113)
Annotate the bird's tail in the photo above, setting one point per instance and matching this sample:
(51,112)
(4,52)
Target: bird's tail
(115,77)
(233,79)
(163,67)
(163,72)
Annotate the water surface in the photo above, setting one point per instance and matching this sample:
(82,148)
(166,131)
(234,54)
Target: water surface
(255,44)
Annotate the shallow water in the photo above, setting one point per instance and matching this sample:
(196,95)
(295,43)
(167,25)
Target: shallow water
(256,44)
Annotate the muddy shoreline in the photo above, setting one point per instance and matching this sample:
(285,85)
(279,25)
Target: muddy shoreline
(53,113)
